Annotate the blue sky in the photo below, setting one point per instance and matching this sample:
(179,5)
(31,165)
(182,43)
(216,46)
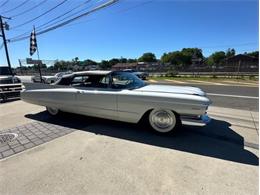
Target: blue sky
(132,27)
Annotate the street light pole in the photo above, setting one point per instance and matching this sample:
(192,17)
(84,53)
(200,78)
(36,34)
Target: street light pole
(5,44)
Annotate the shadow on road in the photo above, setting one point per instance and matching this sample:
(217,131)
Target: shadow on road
(215,140)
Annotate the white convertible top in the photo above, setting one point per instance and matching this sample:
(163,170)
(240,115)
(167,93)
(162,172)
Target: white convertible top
(93,72)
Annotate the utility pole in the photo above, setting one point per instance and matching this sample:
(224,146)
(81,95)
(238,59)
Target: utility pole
(2,26)
(20,63)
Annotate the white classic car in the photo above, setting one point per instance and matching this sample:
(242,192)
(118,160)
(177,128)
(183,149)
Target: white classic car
(122,96)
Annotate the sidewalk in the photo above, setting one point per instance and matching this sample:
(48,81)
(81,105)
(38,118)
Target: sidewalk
(95,156)
(245,123)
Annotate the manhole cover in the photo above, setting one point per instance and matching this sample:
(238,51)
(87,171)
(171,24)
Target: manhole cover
(7,137)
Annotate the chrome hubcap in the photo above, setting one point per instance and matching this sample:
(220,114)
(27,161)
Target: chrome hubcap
(162,120)
(52,111)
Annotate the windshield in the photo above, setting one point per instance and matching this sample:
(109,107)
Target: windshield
(126,80)
(5,71)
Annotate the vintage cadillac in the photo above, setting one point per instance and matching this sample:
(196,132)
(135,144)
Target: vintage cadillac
(122,96)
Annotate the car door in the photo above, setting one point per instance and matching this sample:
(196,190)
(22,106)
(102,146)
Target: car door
(130,106)
(95,99)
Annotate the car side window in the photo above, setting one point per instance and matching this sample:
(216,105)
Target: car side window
(105,81)
(122,81)
(79,81)
(91,81)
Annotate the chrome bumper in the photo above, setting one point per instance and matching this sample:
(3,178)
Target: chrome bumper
(201,120)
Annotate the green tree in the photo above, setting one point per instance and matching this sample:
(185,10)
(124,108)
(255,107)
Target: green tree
(176,59)
(123,60)
(113,61)
(166,57)
(147,57)
(183,58)
(196,52)
(75,61)
(131,60)
(62,65)
(209,61)
(217,57)
(230,52)
(254,54)
(189,54)
(104,64)
(43,66)
(88,62)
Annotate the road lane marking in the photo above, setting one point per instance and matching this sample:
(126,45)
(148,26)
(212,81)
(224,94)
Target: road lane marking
(207,82)
(239,83)
(235,96)
(194,82)
(174,81)
(152,81)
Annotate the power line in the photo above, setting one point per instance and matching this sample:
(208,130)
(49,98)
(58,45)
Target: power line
(120,11)
(60,16)
(28,10)
(20,5)
(5,2)
(61,20)
(44,25)
(69,21)
(135,6)
(46,12)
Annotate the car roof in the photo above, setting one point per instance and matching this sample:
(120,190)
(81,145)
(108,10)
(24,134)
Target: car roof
(93,72)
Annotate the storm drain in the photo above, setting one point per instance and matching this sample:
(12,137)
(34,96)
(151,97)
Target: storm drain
(7,137)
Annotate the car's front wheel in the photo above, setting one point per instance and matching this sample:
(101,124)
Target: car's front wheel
(163,120)
(52,111)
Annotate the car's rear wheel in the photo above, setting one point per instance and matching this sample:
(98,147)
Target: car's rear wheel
(52,111)
(163,120)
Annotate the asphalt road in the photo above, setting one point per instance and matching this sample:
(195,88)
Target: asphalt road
(238,97)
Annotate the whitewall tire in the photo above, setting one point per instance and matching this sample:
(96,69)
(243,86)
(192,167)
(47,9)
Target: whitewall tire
(52,111)
(163,120)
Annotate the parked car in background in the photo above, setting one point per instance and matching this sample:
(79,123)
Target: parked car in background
(49,79)
(122,96)
(10,85)
(141,75)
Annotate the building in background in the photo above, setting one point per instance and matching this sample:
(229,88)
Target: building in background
(243,62)
(140,66)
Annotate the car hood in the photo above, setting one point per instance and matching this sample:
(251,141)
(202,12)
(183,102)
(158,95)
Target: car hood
(172,89)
